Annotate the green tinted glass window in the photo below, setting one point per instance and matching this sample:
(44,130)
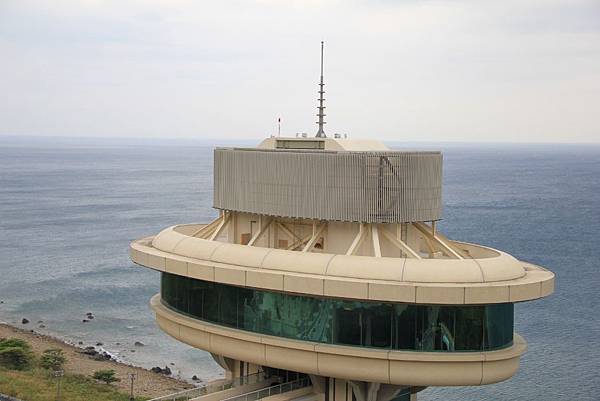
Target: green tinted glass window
(446,328)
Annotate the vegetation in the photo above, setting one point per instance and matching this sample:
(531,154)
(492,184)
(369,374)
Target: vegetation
(53,359)
(40,385)
(107,376)
(23,377)
(15,354)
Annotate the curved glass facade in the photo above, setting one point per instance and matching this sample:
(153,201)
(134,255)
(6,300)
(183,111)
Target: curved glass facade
(332,321)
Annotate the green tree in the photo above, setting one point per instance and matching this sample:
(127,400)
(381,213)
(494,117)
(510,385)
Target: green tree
(106,375)
(53,358)
(15,353)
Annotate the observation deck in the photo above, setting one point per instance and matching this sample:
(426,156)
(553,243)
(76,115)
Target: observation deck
(325,259)
(451,272)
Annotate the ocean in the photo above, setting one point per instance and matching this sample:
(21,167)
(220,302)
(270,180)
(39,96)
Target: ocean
(69,208)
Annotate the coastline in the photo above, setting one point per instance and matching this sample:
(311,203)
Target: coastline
(147,383)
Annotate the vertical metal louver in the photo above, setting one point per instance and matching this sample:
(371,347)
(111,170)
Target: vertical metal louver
(370,187)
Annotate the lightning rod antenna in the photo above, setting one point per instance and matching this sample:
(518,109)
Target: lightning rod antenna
(321,114)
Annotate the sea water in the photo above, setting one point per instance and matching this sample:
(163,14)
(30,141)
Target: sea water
(68,210)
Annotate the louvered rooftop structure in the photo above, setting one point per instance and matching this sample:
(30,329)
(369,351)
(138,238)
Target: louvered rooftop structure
(329,182)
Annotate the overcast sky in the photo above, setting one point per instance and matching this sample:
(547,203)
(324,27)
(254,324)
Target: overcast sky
(511,70)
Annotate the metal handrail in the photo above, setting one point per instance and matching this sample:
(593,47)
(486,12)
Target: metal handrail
(273,390)
(187,395)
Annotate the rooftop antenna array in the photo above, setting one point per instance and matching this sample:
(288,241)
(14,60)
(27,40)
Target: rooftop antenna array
(321,114)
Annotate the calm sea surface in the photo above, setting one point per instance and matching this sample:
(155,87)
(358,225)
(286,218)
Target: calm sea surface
(68,212)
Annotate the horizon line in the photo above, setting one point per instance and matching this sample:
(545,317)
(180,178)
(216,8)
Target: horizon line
(241,139)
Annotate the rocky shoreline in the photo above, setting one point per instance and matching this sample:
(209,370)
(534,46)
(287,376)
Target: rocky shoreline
(85,360)
(7,398)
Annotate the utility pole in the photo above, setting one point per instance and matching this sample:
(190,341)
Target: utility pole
(58,374)
(132,377)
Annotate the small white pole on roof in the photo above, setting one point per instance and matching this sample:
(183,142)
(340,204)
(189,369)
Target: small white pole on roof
(279,127)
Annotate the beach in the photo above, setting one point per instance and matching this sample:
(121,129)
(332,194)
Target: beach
(147,383)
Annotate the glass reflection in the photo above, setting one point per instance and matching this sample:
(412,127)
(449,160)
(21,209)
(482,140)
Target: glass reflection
(326,320)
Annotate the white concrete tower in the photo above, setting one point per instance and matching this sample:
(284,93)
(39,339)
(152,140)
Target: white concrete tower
(337,286)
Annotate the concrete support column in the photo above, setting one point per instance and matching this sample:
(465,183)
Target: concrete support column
(235,368)
(338,390)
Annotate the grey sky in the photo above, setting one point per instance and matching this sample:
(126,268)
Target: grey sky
(512,70)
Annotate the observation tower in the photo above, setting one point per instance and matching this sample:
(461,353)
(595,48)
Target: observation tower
(324,272)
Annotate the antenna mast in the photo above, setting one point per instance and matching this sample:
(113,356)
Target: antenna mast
(321,114)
